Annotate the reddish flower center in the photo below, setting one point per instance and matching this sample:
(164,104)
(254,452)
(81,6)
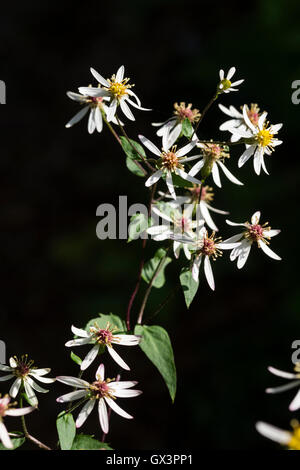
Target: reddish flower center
(104,336)
(170,161)
(255,232)
(101,389)
(209,247)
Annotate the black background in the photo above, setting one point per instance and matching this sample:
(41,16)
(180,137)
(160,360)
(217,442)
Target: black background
(55,272)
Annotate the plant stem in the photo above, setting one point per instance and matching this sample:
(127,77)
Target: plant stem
(27,435)
(161,305)
(209,104)
(156,272)
(119,141)
(133,146)
(137,286)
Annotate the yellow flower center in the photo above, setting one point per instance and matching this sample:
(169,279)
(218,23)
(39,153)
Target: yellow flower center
(225,84)
(118,89)
(294,443)
(264,137)
(170,161)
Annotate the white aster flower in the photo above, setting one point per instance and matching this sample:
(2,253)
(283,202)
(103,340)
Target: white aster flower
(97,107)
(179,223)
(295,382)
(225,85)
(101,338)
(237,119)
(105,391)
(172,128)
(23,372)
(7,410)
(171,161)
(255,232)
(260,141)
(118,90)
(213,157)
(205,247)
(289,439)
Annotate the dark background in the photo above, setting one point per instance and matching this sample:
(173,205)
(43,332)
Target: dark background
(55,272)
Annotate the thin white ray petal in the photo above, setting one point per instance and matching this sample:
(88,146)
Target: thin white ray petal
(186,149)
(71,396)
(243,256)
(120,74)
(78,116)
(124,393)
(4,437)
(269,252)
(209,273)
(14,389)
(126,110)
(90,357)
(229,175)
(32,398)
(84,413)
(154,178)
(216,175)
(103,416)
(273,433)
(117,358)
(73,381)
(117,409)
(99,78)
(150,146)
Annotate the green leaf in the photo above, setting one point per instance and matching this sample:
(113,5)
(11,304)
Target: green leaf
(151,266)
(16,441)
(112,319)
(138,224)
(85,442)
(134,168)
(180,182)
(157,346)
(75,358)
(187,128)
(132,151)
(66,429)
(189,285)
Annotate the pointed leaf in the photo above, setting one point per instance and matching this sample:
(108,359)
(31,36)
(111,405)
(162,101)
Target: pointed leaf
(66,429)
(157,346)
(150,267)
(189,285)
(103,319)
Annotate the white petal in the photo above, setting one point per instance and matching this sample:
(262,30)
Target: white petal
(35,386)
(283,388)
(255,217)
(124,393)
(78,116)
(126,110)
(84,413)
(6,377)
(98,119)
(187,177)
(216,175)
(32,398)
(257,160)
(100,372)
(4,437)
(281,373)
(273,433)
(295,404)
(77,342)
(229,175)
(243,256)
(196,267)
(111,111)
(208,273)
(103,416)
(170,185)
(154,178)
(196,168)
(99,78)
(246,155)
(230,73)
(268,251)
(117,358)
(117,409)
(5,368)
(90,357)
(71,396)
(14,389)
(80,332)
(120,74)
(93,91)
(207,217)
(124,384)
(186,149)
(73,381)
(150,146)
(127,340)
(91,121)
(161,214)
(19,411)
